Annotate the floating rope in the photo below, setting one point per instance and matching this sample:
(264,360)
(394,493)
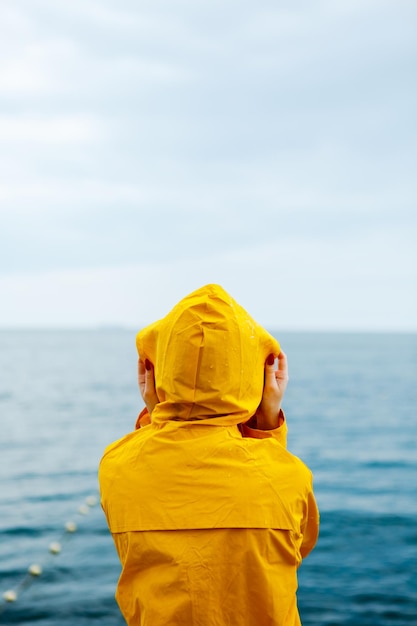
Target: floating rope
(35,570)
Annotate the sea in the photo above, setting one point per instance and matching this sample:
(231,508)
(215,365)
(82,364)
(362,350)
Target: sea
(352,417)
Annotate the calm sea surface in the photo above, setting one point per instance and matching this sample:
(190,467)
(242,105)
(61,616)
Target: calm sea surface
(352,417)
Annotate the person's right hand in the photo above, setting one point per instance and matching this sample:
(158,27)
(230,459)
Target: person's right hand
(146,380)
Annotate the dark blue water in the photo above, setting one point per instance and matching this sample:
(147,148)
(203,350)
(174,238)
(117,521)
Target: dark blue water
(351,410)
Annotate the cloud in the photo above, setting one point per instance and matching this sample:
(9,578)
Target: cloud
(168,134)
(286,284)
(59,130)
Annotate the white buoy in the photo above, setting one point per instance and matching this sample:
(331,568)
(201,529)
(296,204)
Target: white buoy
(83,509)
(91,501)
(55,547)
(70,527)
(35,570)
(10,595)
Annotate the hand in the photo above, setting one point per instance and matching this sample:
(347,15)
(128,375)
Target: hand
(146,380)
(268,414)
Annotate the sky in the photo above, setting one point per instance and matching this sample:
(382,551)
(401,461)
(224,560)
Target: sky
(148,148)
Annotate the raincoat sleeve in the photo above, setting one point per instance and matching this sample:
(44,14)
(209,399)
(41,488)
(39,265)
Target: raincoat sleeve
(310,525)
(249,429)
(143,419)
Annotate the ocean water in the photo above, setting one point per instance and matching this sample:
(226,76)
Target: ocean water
(351,410)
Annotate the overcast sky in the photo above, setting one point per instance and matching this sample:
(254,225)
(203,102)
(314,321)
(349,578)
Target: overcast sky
(149,147)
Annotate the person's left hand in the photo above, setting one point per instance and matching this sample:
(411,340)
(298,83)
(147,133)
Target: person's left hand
(146,380)
(269,414)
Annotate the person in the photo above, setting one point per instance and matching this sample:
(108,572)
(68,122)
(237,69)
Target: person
(210,514)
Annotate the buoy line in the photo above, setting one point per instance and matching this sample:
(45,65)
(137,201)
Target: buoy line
(55,547)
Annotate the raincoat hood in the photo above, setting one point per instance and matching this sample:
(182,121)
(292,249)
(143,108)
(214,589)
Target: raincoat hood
(208,355)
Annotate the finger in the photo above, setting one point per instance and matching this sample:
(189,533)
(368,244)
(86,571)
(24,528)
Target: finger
(282,371)
(141,367)
(149,376)
(146,378)
(141,373)
(270,370)
(270,359)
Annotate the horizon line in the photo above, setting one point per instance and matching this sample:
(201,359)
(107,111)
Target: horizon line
(136,328)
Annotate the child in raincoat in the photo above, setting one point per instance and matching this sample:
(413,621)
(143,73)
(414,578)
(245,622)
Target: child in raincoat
(210,514)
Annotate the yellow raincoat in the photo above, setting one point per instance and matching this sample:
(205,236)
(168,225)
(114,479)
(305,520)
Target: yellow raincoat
(210,517)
